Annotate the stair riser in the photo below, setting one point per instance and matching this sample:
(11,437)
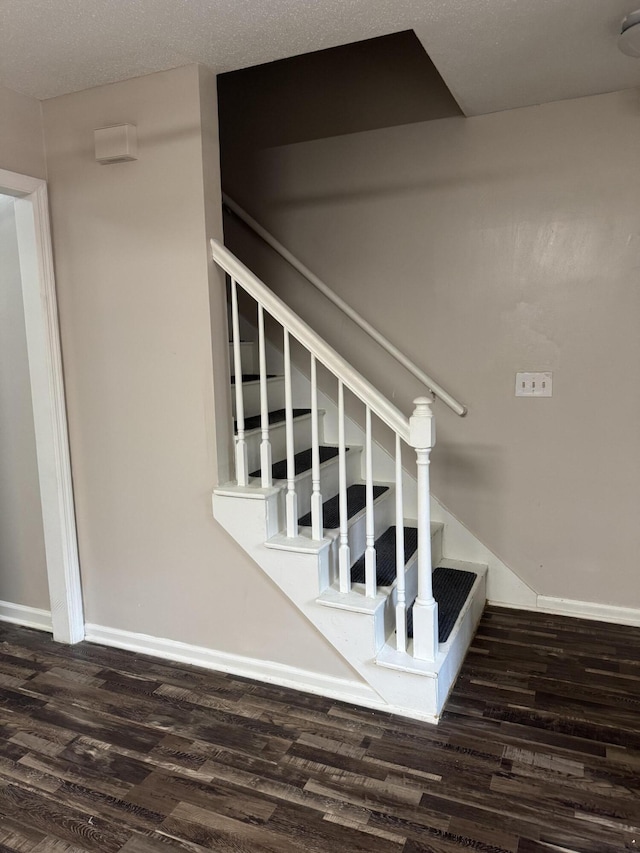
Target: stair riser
(329,482)
(278,439)
(248,355)
(251,396)
(411,590)
(436,546)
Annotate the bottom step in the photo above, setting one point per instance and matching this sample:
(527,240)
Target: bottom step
(451,588)
(443,671)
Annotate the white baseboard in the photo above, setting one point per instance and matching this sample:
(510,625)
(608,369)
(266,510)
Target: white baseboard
(343,689)
(589,610)
(28,617)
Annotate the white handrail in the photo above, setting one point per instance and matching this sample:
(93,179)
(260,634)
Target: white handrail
(437,389)
(325,354)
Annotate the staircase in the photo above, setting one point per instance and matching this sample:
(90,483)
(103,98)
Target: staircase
(321,495)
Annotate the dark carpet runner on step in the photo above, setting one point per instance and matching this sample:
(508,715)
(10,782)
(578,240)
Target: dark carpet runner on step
(252,377)
(386,556)
(274,418)
(356,501)
(451,588)
(302,463)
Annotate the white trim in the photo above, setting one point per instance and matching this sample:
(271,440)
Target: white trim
(27,617)
(589,610)
(49,412)
(14,184)
(270,672)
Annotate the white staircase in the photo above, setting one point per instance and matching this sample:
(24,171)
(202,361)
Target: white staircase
(317,503)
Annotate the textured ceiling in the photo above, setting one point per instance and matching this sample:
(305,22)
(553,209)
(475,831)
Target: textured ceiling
(493,54)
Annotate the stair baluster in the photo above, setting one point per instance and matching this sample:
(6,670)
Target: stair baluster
(291,500)
(265,444)
(242,466)
(370,550)
(316,496)
(401,601)
(344,551)
(425,609)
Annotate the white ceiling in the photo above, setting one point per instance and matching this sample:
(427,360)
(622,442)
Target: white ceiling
(493,54)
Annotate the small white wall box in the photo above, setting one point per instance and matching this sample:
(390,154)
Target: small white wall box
(116,144)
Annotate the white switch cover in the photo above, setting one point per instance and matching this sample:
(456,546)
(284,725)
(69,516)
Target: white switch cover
(534,384)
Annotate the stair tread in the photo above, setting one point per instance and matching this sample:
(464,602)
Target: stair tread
(356,501)
(254,377)
(303,462)
(386,556)
(275,417)
(451,588)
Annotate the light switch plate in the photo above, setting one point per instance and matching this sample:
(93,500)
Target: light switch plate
(534,384)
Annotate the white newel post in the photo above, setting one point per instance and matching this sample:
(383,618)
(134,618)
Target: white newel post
(425,610)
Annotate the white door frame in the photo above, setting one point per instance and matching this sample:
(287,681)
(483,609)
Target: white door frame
(47,395)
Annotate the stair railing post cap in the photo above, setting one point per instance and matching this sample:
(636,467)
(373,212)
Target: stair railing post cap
(424,403)
(422,424)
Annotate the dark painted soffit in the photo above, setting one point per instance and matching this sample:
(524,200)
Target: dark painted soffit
(381,82)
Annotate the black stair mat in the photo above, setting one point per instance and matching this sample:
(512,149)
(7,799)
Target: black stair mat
(356,501)
(386,556)
(302,460)
(451,588)
(252,377)
(275,417)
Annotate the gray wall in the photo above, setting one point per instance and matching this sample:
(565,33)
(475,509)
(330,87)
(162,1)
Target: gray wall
(141,312)
(21,142)
(23,567)
(482,247)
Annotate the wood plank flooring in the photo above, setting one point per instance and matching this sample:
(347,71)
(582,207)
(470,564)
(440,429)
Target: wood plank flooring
(538,752)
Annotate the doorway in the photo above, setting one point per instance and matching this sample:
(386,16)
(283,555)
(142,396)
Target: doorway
(26,219)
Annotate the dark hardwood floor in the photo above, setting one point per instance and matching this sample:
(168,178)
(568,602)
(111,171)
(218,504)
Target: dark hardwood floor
(538,752)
